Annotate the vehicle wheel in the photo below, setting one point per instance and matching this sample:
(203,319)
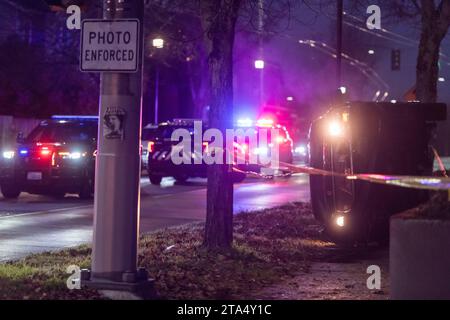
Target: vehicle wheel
(154,179)
(317,183)
(238,177)
(86,191)
(290,158)
(58,194)
(10,191)
(181,178)
(318,201)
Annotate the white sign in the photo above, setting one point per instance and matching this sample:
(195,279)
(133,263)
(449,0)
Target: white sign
(109,45)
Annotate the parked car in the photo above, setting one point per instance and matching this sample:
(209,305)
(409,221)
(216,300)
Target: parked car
(56,158)
(149,133)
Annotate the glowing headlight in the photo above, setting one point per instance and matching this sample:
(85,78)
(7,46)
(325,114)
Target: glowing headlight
(340,221)
(71,155)
(8,154)
(300,150)
(75,155)
(335,129)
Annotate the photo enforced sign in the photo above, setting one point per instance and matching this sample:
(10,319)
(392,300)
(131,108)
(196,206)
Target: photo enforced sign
(108,45)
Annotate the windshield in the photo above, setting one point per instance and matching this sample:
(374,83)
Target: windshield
(165,132)
(268,132)
(63,132)
(149,133)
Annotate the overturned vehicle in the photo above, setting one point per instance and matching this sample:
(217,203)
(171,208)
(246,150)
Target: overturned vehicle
(376,138)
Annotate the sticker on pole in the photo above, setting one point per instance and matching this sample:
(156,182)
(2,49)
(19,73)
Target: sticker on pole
(109,45)
(113,123)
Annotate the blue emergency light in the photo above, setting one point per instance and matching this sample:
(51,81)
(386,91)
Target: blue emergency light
(70,117)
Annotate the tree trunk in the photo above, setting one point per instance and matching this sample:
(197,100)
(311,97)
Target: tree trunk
(427,65)
(219,20)
(435,23)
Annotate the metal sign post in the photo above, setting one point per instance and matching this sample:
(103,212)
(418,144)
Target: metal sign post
(115,46)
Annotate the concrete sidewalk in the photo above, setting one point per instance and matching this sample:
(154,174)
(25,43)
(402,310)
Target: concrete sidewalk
(333,281)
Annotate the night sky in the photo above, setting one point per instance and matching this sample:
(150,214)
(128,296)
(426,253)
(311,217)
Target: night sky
(308,74)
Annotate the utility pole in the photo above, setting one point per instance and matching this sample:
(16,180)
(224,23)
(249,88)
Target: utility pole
(156,93)
(261,51)
(158,44)
(117,176)
(340,12)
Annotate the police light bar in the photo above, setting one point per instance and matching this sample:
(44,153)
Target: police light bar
(184,120)
(265,122)
(70,117)
(245,122)
(151,126)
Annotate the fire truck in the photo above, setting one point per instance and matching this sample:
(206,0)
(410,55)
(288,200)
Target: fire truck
(369,137)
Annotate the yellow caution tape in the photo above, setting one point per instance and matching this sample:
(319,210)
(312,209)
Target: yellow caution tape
(416,182)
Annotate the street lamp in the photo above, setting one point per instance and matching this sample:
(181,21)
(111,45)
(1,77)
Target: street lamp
(157,43)
(376,96)
(259,64)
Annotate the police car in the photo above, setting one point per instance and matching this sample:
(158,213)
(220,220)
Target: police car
(160,145)
(56,158)
(149,133)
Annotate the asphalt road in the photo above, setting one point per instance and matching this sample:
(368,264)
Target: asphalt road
(35,224)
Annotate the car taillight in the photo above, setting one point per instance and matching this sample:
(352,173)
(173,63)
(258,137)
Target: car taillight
(45,151)
(150,146)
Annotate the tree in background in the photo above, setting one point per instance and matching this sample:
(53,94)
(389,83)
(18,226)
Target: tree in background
(434,19)
(181,62)
(219,22)
(39,69)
